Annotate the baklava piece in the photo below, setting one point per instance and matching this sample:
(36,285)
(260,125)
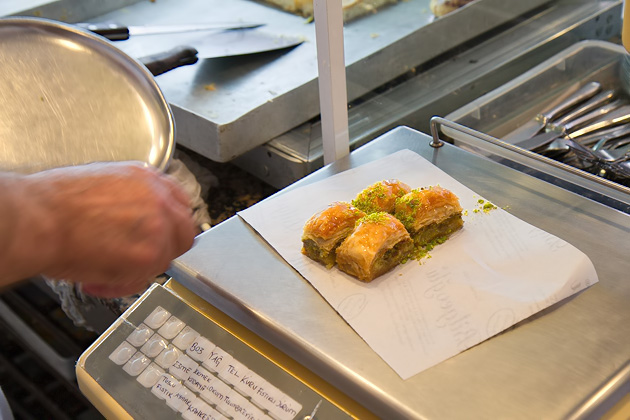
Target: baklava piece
(381,196)
(351,8)
(325,231)
(443,7)
(377,244)
(429,214)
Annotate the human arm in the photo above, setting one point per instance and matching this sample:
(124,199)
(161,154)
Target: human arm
(110,226)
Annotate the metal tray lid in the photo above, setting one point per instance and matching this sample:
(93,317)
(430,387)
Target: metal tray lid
(69,97)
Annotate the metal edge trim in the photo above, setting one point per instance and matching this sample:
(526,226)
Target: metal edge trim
(610,387)
(437,122)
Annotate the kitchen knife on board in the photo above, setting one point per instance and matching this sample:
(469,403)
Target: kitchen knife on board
(218,45)
(116,32)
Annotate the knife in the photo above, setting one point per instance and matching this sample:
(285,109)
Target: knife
(222,44)
(617,117)
(541,120)
(116,32)
(586,119)
(593,104)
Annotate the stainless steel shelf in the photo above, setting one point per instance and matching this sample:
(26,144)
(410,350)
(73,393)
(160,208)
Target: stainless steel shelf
(443,88)
(255,99)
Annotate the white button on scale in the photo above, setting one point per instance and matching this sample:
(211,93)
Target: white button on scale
(183,367)
(171,327)
(154,345)
(122,354)
(215,393)
(140,335)
(200,349)
(198,409)
(286,408)
(150,375)
(279,405)
(249,383)
(157,318)
(138,362)
(241,408)
(168,356)
(218,358)
(232,372)
(200,379)
(185,338)
(165,387)
(181,399)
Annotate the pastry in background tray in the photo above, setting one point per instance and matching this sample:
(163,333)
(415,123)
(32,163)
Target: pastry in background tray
(351,8)
(429,214)
(443,7)
(378,243)
(381,196)
(325,231)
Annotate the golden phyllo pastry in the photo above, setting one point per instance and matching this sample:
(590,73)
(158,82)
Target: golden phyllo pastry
(381,196)
(429,214)
(377,244)
(444,7)
(325,231)
(351,8)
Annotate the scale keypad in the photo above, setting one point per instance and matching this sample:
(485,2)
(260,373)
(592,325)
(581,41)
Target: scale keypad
(164,359)
(196,377)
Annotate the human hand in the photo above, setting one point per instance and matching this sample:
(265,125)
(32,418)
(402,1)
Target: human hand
(114,226)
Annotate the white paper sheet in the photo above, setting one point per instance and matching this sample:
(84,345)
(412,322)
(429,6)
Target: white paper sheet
(495,272)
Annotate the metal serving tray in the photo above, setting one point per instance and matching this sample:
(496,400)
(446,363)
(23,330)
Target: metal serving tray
(254,99)
(505,109)
(499,113)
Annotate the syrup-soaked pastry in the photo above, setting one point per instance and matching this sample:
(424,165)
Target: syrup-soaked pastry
(325,231)
(429,214)
(351,8)
(381,196)
(377,244)
(443,7)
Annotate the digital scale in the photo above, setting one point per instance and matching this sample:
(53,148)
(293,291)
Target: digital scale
(238,333)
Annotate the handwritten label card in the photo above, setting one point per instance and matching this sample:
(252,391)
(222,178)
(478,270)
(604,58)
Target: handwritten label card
(495,272)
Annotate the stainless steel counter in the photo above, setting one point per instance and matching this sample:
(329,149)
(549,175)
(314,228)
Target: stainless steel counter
(443,88)
(257,98)
(544,367)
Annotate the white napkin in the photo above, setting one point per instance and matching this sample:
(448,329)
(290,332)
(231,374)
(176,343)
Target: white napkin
(495,272)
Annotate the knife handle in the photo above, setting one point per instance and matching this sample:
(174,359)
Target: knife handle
(619,116)
(111,31)
(591,105)
(584,93)
(588,118)
(165,61)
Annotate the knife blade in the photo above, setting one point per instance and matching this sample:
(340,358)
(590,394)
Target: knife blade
(597,103)
(619,116)
(116,32)
(220,45)
(540,121)
(586,119)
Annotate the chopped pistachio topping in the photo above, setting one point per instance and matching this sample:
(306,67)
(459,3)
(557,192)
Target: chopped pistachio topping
(422,251)
(378,217)
(367,200)
(407,215)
